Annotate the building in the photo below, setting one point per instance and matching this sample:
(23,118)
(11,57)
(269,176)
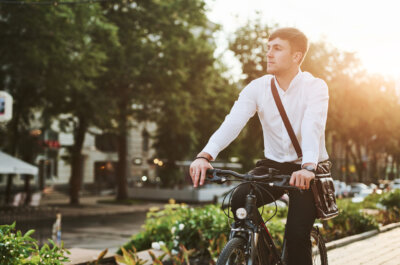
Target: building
(99,158)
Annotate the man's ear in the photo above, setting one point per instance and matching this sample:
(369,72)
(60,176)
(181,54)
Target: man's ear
(297,56)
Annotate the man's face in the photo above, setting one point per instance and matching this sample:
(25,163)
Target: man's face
(280,57)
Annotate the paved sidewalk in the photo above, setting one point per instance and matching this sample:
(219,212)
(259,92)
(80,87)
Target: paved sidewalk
(382,249)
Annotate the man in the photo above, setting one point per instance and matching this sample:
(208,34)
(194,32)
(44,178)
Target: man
(305,100)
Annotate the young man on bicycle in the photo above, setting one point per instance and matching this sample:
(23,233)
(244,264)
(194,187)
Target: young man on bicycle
(305,100)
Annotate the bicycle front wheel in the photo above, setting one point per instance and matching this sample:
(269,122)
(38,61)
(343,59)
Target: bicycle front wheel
(233,253)
(319,253)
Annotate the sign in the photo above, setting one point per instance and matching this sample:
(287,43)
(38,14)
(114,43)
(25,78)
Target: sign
(5,106)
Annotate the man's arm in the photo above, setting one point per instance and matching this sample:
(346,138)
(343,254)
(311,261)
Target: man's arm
(312,128)
(314,121)
(243,109)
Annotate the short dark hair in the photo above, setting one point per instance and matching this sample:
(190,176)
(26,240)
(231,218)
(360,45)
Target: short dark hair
(297,40)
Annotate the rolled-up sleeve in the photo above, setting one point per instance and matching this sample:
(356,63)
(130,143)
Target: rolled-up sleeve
(244,108)
(314,121)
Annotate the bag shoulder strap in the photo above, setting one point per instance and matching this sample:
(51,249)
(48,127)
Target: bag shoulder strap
(285,119)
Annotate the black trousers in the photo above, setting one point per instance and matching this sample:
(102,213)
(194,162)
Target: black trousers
(301,215)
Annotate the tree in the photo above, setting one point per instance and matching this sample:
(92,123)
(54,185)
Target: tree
(89,34)
(24,60)
(165,61)
(52,71)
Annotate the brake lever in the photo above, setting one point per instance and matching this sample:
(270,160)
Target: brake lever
(217,179)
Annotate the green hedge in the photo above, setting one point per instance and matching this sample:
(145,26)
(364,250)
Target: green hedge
(391,200)
(17,248)
(179,224)
(195,228)
(351,220)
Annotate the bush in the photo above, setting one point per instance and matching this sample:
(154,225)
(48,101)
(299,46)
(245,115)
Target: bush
(351,221)
(16,249)
(270,210)
(203,229)
(391,200)
(180,224)
(371,201)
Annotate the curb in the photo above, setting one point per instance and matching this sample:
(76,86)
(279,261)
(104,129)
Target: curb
(350,239)
(389,227)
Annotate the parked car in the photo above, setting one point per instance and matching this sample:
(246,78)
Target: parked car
(375,188)
(359,197)
(341,188)
(395,184)
(356,188)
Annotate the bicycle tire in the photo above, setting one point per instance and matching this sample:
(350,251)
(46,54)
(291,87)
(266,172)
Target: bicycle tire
(233,253)
(319,252)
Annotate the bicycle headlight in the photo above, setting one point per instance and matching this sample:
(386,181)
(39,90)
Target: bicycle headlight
(241,213)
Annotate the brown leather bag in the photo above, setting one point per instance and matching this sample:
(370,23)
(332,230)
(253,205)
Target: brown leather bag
(324,192)
(322,186)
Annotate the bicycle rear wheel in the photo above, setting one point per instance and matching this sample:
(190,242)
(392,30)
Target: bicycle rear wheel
(319,253)
(233,253)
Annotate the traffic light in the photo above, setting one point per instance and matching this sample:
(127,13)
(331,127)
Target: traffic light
(5,106)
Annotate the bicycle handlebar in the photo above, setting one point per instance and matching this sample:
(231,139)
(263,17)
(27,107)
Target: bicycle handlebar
(282,181)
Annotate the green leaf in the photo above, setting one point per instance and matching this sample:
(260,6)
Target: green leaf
(30,232)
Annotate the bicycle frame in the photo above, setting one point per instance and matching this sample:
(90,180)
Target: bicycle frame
(252,233)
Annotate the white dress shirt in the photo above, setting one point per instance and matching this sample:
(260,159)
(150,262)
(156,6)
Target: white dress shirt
(306,104)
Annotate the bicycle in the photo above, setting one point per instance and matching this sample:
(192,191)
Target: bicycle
(250,243)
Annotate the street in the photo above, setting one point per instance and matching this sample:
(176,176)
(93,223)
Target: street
(383,248)
(101,232)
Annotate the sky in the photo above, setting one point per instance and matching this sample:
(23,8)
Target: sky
(369,28)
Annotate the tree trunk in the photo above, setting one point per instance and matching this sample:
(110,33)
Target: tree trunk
(346,163)
(122,184)
(374,168)
(7,198)
(391,174)
(360,168)
(27,189)
(385,166)
(357,159)
(397,166)
(77,161)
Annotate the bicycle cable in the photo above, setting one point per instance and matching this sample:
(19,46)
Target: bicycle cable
(258,187)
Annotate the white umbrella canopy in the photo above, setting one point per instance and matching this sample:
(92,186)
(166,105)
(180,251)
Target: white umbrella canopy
(12,165)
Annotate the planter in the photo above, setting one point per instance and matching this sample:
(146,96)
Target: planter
(189,194)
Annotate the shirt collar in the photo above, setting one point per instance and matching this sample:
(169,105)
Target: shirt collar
(295,79)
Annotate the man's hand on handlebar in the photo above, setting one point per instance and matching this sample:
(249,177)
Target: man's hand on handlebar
(302,179)
(198,169)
